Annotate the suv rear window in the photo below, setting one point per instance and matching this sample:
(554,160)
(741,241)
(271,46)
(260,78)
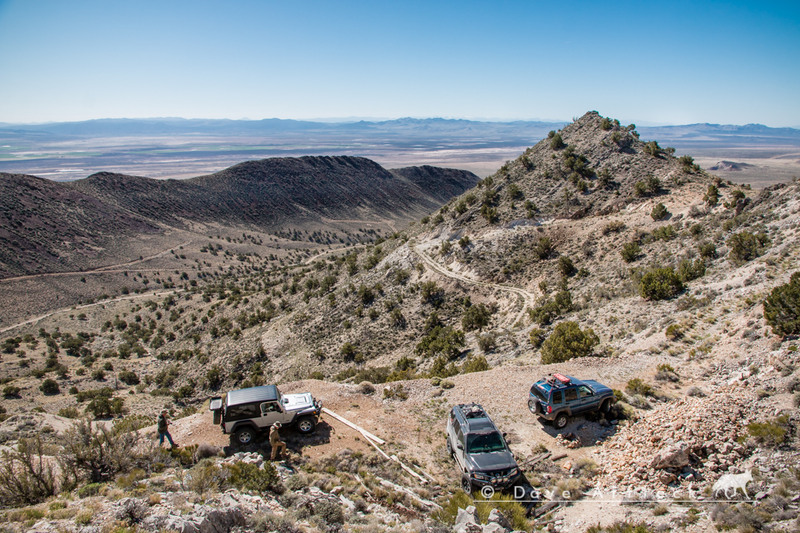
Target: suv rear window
(539,392)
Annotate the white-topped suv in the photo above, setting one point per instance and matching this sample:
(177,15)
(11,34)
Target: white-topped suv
(479,449)
(243,413)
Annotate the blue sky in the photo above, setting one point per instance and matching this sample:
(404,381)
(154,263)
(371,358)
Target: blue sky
(642,62)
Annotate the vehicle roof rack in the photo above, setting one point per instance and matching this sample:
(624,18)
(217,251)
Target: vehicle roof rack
(558,380)
(473,410)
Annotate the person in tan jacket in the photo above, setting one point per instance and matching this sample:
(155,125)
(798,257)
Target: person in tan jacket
(278,446)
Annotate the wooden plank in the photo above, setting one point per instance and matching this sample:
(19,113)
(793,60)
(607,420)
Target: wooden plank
(346,422)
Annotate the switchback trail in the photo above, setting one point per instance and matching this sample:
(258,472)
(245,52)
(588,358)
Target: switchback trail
(528,298)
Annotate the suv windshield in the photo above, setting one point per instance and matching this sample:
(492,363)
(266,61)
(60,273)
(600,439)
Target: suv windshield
(485,443)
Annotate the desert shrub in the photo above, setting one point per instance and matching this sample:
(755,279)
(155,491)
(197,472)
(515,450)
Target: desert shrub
(329,512)
(395,392)
(771,433)
(630,252)
(267,522)
(659,212)
(621,527)
(614,226)
(650,186)
(204,477)
(637,386)
(708,250)
(745,246)
(568,341)
(26,476)
(69,412)
(782,307)
(128,377)
(605,124)
(537,337)
(712,196)
(544,247)
(103,406)
(476,363)
(248,476)
(431,293)
(549,310)
(566,266)
(691,270)
(660,284)
(673,332)
(556,142)
(441,340)
(740,517)
(487,342)
(50,387)
(514,511)
(11,391)
(652,148)
(664,233)
(98,454)
(476,317)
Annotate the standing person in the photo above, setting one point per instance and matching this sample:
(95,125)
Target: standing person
(163,429)
(278,446)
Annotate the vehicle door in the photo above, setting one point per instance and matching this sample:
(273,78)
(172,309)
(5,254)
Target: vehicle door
(459,445)
(586,398)
(571,400)
(271,412)
(557,400)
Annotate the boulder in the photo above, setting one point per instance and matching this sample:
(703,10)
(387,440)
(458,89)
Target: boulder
(467,521)
(496,517)
(676,456)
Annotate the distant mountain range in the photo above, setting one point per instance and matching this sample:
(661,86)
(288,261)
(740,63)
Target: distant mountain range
(403,127)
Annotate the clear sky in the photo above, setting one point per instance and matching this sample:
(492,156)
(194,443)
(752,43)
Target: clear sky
(638,61)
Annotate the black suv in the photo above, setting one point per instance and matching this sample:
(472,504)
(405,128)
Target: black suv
(479,449)
(558,397)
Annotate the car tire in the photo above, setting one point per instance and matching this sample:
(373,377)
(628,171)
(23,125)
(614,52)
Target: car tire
(560,420)
(605,407)
(466,484)
(533,407)
(449,448)
(306,425)
(244,436)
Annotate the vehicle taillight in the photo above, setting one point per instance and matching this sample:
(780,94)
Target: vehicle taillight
(549,409)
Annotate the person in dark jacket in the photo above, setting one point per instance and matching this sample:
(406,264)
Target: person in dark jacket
(163,429)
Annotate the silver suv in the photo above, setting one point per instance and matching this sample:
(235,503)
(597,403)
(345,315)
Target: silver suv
(243,413)
(479,449)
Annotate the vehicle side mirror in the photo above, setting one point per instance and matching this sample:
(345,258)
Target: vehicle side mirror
(459,446)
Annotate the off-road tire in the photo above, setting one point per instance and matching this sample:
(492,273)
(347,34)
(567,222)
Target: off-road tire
(466,484)
(534,407)
(605,407)
(449,448)
(560,420)
(244,436)
(306,425)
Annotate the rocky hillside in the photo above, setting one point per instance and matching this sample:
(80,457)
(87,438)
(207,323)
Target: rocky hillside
(45,226)
(595,253)
(50,226)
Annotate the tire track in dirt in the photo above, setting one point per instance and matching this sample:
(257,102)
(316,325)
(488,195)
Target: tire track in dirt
(109,269)
(86,306)
(527,298)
